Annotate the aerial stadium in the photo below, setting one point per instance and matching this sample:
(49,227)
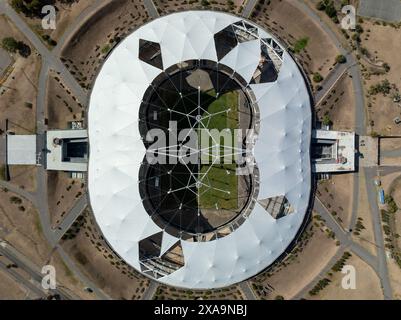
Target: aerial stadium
(199,224)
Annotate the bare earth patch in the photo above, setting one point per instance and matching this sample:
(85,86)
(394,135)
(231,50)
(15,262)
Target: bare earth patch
(24,177)
(66,13)
(88,47)
(20,227)
(170,293)
(336,195)
(290,24)
(169,6)
(63,192)
(366,238)
(367,284)
(339,105)
(62,106)
(18,91)
(289,277)
(10,289)
(99,263)
(383,109)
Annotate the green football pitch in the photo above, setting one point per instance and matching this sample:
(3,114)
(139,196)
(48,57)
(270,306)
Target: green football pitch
(219,188)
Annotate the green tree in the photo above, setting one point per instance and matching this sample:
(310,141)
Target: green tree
(320,6)
(317,77)
(10,44)
(341,59)
(31,8)
(331,10)
(300,44)
(326,120)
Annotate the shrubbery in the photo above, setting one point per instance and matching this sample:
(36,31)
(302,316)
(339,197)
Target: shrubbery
(383,87)
(11,45)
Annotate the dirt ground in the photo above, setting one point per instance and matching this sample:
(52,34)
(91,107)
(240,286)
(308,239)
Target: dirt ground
(328,21)
(336,195)
(65,15)
(20,227)
(395,278)
(396,194)
(279,16)
(390,144)
(315,251)
(24,177)
(168,6)
(63,192)
(367,284)
(18,91)
(100,264)
(339,105)
(392,186)
(61,106)
(376,39)
(393,161)
(171,293)
(366,238)
(84,53)
(10,289)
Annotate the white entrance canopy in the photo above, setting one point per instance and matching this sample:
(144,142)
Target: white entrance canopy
(21,149)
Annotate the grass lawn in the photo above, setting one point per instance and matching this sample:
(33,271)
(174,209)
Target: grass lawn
(223,182)
(300,44)
(219,178)
(222,121)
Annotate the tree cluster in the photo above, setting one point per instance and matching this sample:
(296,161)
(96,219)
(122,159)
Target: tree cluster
(11,45)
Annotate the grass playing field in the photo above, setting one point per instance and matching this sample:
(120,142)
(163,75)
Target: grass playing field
(221,191)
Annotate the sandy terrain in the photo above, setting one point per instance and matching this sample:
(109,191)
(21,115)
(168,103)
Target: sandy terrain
(65,15)
(61,106)
(100,264)
(66,278)
(23,177)
(395,278)
(336,195)
(278,17)
(170,293)
(383,109)
(390,161)
(20,227)
(18,92)
(339,105)
(303,265)
(392,185)
(10,289)
(86,50)
(329,22)
(367,284)
(390,144)
(168,6)
(63,192)
(366,238)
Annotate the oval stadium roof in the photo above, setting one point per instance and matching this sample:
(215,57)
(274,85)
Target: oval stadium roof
(281,150)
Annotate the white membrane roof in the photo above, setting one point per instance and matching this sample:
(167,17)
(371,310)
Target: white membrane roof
(116,151)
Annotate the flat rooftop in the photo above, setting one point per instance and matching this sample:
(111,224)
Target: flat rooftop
(339,151)
(63,143)
(21,149)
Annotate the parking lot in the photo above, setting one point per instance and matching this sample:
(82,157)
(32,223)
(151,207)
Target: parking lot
(387,10)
